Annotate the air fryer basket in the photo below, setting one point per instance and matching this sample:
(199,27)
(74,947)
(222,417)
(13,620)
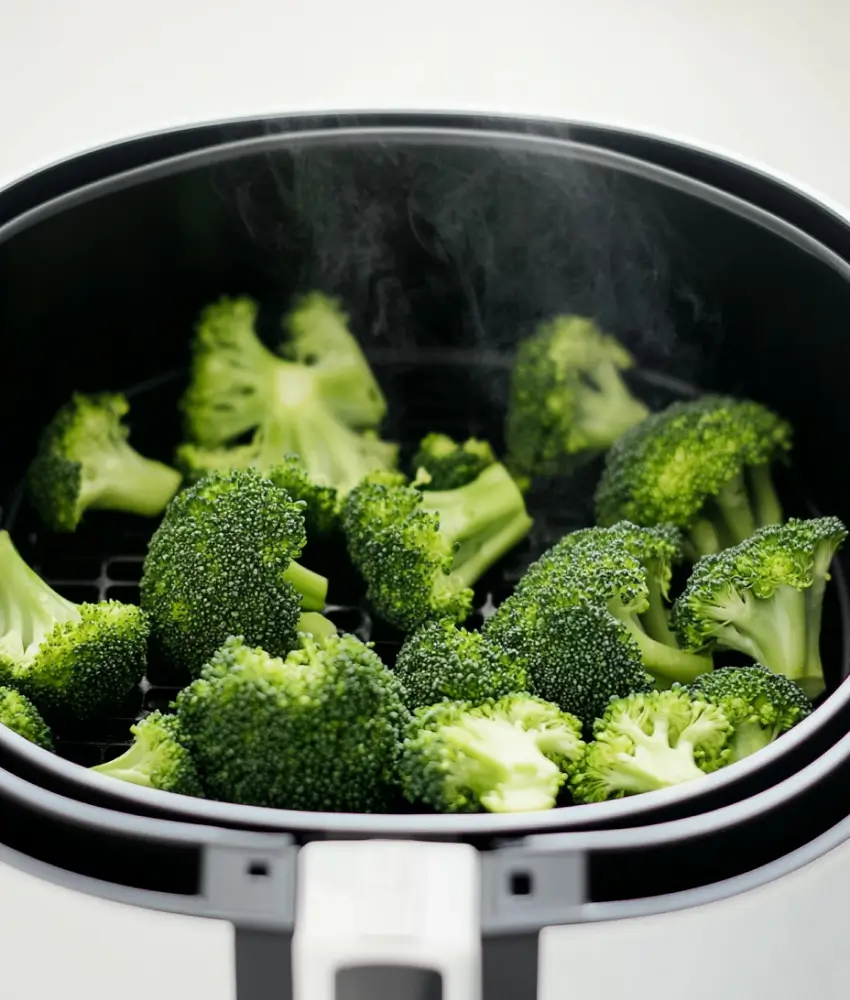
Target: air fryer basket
(446,242)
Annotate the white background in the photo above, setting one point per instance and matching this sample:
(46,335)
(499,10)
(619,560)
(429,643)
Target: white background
(767,80)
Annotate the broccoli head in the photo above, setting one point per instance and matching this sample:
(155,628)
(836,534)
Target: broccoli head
(440,662)
(224,562)
(156,759)
(19,714)
(760,704)
(649,741)
(448,464)
(85,462)
(239,388)
(420,553)
(78,660)
(567,397)
(318,730)
(511,755)
(702,465)
(764,598)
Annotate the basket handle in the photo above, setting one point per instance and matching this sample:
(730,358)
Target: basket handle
(379,904)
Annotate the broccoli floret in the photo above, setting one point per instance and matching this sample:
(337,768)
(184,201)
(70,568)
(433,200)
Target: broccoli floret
(420,553)
(224,562)
(578,657)
(440,662)
(567,397)
(156,759)
(321,502)
(449,464)
(319,730)
(19,714)
(764,598)
(85,462)
(760,704)
(71,659)
(512,755)
(702,465)
(319,337)
(239,387)
(649,741)
(625,569)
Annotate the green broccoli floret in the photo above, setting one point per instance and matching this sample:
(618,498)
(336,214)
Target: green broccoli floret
(625,569)
(567,397)
(703,465)
(321,502)
(19,714)
(649,741)
(85,462)
(578,657)
(71,659)
(224,562)
(239,387)
(420,553)
(512,755)
(760,704)
(440,662)
(319,337)
(764,598)
(319,730)
(156,759)
(449,464)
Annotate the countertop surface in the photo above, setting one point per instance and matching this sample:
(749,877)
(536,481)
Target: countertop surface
(765,80)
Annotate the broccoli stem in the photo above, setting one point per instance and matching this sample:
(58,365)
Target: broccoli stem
(475,557)
(655,619)
(733,502)
(667,663)
(703,537)
(316,625)
(468,510)
(504,766)
(768,506)
(748,738)
(312,587)
(131,483)
(773,630)
(133,765)
(812,679)
(606,414)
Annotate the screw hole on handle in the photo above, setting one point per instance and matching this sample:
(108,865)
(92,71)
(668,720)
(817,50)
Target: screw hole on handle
(258,869)
(521,884)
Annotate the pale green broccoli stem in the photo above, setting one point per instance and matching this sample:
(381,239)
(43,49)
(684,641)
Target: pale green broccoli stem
(654,764)
(29,608)
(749,737)
(316,625)
(606,414)
(134,765)
(768,506)
(469,510)
(812,680)
(667,663)
(772,630)
(506,760)
(474,558)
(312,587)
(736,512)
(655,619)
(703,537)
(125,481)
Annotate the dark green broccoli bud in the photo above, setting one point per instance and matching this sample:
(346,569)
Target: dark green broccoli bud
(79,660)
(649,741)
(224,562)
(321,502)
(156,759)
(19,714)
(764,598)
(238,387)
(512,755)
(625,569)
(440,662)
(319,730)
(421,553)
(319,337)
(702,465)
(760,704)
(85,462)
(449,464)
(567,397)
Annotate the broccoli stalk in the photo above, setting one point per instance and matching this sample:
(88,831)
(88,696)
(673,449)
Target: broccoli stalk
(85,462)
